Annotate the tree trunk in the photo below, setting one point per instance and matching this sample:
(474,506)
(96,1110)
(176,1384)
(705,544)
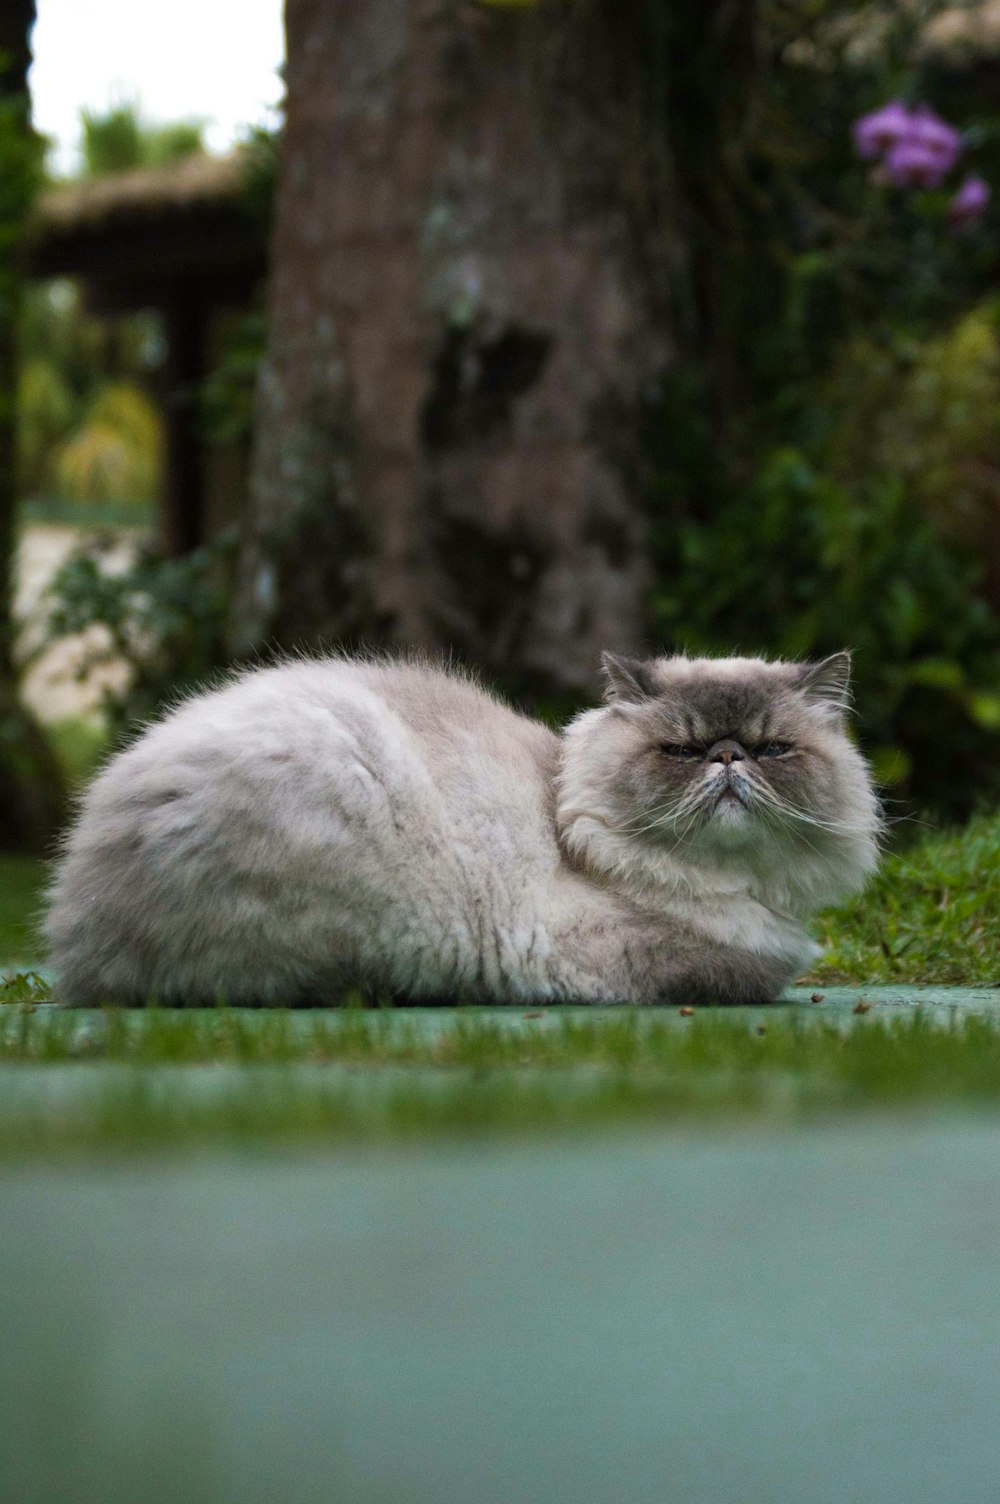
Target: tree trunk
(471,278)
(31,789)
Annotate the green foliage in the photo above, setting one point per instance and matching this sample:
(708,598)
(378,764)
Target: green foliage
(45,413)
(30,793)
(21,883)
(55,327)
(260,148)
(798,565)
(173,141)
(24,987)
(114,454)
(929,413)
(164,618)
(79,745)
(227,394)
(118,139)
(21,158)
(88,434)
(87,440)
(112,140)
(828,250)
(826,457)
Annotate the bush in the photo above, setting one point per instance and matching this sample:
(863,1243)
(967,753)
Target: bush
(825,459)
(797,564)
(165,619)
(929,412)
(114,455)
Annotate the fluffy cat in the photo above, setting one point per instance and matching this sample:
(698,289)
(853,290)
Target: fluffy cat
(392,826)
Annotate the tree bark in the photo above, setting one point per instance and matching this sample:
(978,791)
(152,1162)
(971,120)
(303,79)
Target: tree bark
(31,786)
(471,262)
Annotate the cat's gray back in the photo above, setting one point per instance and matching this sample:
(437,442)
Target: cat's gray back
(301,826)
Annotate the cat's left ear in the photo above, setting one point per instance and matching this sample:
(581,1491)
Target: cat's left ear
(828,681)
(627,681)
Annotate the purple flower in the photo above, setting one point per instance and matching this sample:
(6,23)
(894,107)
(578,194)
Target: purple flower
(919,148)
(967,207)
(911,164)
(877,132)
(936,135)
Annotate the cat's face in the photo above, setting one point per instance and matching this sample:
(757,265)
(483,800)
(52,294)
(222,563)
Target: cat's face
(730,760)
(720,749)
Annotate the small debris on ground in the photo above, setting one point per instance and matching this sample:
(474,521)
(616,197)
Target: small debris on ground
(861,1006)
(686,1012)
(540,1014)
(762,1028)
(817,997)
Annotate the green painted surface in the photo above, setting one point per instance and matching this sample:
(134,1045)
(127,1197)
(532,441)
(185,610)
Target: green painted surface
(744,1318)
(812,1001)
(983,1000)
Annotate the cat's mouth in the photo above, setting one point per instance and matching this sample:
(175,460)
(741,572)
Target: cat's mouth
(731,796)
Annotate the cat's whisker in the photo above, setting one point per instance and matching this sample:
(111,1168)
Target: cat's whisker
(661,816)
(660,825)
(785,823)
(691,820)
(791,813)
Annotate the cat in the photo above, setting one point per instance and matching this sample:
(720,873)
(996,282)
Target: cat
(392,826)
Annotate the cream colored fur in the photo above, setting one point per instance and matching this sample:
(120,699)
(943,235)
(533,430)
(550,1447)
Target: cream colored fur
(392,826)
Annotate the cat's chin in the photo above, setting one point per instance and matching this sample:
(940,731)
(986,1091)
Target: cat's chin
(730,823)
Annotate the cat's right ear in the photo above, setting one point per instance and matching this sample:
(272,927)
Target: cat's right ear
(827,682)
(627,681)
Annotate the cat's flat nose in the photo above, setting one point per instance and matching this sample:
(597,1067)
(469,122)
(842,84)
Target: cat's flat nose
(726,752)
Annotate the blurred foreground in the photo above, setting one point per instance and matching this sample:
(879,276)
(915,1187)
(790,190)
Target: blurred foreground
(706,1317)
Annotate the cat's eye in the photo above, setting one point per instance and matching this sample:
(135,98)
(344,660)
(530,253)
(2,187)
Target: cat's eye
(675,749)
(773,749)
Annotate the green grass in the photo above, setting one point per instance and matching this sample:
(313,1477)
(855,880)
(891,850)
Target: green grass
(932,915)
(373,1078)
(151,1080)
(490,1039)
(21,883)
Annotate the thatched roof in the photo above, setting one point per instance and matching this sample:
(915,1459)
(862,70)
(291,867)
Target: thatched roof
(141,193)
(130,235)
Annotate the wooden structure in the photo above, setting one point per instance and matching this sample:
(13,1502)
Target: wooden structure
(180,239)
